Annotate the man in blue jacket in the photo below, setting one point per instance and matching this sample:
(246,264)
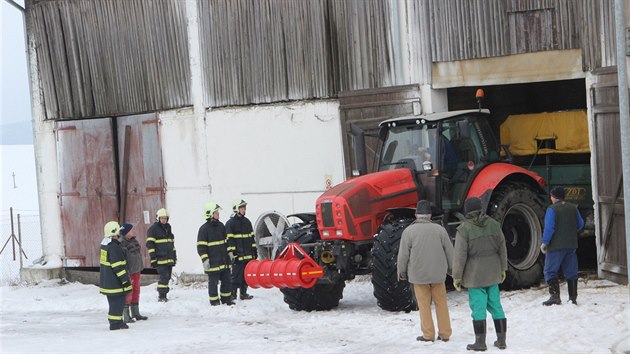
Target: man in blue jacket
(559,242)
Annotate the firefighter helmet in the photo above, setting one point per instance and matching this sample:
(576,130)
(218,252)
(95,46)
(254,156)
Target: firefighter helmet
(211,207)
(238,203)
(162,213)
(111,229)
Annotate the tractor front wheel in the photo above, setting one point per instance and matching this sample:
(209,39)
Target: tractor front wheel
(520,210)
(391,294)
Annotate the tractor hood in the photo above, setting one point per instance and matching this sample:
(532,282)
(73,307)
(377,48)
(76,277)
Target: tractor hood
(354,209)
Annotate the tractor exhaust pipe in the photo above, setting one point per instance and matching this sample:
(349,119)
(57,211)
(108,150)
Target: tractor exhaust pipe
(359,149)
(287,271)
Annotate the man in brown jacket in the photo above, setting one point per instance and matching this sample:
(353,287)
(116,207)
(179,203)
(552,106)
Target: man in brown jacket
(424,259)
(480,263)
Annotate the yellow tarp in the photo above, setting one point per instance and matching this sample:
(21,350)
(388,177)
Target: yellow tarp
(524,131)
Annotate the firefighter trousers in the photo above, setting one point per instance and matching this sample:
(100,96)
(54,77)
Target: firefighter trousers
(116,306)
(238,276)
(165,276)
(214,278)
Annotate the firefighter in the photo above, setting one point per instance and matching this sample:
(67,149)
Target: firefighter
(161,248)
(212,249)
(241,247)
(114,280)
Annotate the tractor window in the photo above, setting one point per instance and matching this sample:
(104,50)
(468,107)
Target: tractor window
(408,146)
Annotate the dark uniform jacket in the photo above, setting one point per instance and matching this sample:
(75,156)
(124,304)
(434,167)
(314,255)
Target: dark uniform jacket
(114,279)
(131,249)
(212,245)
(562,222)
(161,244)
(241,239)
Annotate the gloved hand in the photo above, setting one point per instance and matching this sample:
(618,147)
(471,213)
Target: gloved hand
(457,283)
(232,256)
(503,275)
(402,276)
(206,264)
(153,263)
(543,248)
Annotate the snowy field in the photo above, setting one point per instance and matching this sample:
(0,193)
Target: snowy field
(71,318)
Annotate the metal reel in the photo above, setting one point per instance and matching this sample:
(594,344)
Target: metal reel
(268,231)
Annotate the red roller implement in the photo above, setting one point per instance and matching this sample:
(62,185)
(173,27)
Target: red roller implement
(289,270)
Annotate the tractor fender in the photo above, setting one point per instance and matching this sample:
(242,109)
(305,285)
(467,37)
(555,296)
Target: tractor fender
(494,174)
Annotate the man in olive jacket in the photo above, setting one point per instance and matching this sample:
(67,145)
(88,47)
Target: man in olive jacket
(424,259)
(480,263)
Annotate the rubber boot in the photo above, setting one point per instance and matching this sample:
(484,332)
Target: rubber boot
(215,302)
(227,301)
(126,317)
(234,294)
(500,327)
(135,313)
(572,285)
(162,298)
(117,325)
(244,294)
(554,291)
(480,337)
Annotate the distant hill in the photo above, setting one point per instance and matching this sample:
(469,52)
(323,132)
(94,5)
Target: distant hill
(20,133)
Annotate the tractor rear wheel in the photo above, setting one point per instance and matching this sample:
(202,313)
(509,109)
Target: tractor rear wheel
(391,294)
(520,210)
(320,297)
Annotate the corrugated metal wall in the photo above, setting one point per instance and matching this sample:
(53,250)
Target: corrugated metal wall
(110,57)
(104,58)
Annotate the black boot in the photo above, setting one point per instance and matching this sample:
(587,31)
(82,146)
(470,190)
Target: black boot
(244,294)
(117,325)
(126,316)
(572,285)
(135,313)
(500,327)
(227,300)
(215,302)
(233,294)
(162,298)
(480,336)
(554,291)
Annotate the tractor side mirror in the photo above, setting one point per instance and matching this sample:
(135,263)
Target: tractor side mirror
(427,166)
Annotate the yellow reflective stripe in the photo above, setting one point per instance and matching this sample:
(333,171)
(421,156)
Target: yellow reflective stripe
(118,264)
(150,239)
(241,235)
(223,266)
(114,318)
(151,250)
(231,248)
(128,288)
(212,298)
(202,243)
(121,273)
(226,294)
(245,257)
(104,257)
(111,291)
(254,245)
(162,286)
(204,257)
(105,263)
(164,240)
(216,243)
(166,261)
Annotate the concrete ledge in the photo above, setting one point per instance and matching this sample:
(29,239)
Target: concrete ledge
(187,278)
(36,275)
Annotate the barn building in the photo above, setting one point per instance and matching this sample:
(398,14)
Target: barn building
(143,104)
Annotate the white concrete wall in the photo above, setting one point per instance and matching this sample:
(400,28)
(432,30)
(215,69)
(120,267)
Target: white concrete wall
(275,157)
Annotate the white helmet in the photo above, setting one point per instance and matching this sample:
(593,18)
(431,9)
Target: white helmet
(111,229)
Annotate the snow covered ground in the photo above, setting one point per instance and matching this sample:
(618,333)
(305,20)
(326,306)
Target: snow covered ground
(71,318)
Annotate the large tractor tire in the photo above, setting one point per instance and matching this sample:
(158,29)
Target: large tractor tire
(520,210)
(391,294)
(321,297)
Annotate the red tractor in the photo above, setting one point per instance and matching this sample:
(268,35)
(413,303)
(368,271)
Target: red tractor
(356,228)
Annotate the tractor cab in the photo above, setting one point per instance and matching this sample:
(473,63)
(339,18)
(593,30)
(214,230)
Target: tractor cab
(444,150)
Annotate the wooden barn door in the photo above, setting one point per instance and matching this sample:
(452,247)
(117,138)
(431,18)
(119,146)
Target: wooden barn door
(141,175)
(611,238)
(366,109)
(87,187)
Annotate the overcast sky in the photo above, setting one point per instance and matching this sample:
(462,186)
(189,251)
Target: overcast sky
(15,103)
